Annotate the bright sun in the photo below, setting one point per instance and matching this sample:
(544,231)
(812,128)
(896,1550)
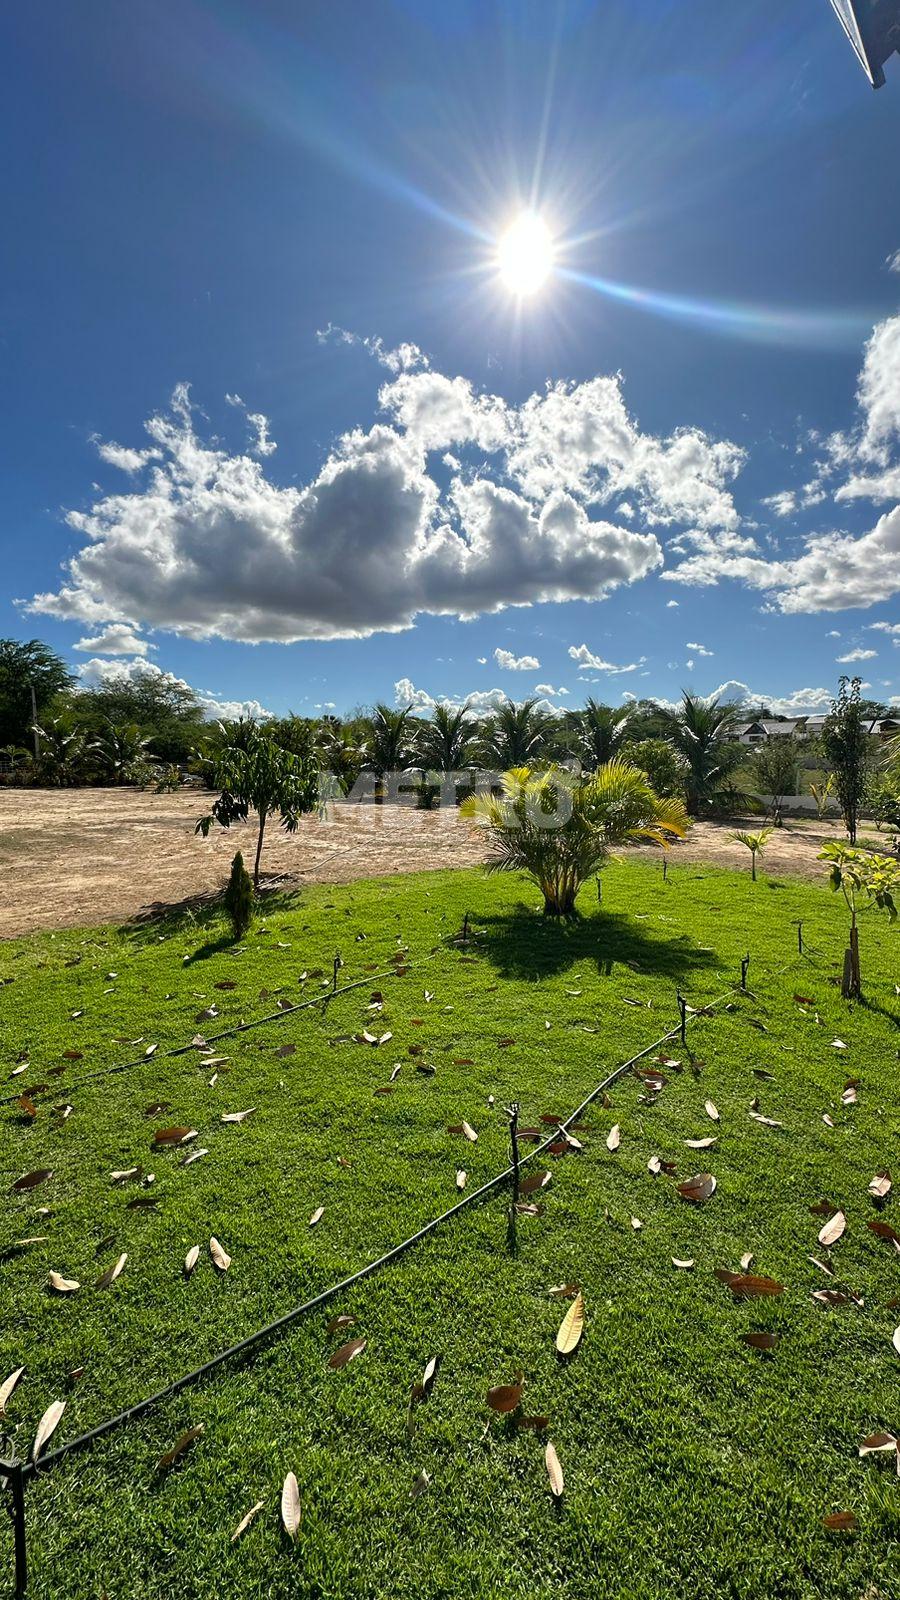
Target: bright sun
(525,254)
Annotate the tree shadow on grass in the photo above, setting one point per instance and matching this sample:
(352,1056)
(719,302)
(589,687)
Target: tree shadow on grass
(201,912)
(522,943)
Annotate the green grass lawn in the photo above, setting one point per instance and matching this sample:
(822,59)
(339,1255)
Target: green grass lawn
(694,1464)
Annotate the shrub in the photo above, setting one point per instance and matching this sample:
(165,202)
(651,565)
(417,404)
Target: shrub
(239,897)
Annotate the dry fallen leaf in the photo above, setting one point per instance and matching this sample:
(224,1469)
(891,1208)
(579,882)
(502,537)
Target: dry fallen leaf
(174,1135)
(221,1258)
(420,1484)
(883,1230)
(109,1277)
(833,1229)
(245,1522)
(877,1442)
(747,1285)
(563,1291)
(880,1186)
(337,1323)
(191,1259)
(317,1216)
(7,1387)
(290,1506)
(841,1521)
(461,1177)
(238,1116)
(760,1341)
(698,1189)
(554,1471)
(347,1353)
(895,1340)
(614,1137)
(702,1144)
(685,1265)
(537,1180)
(711,1110)
(63,1285)
(47,1426)
(571,1327)
(32,1179)
(506,1396)
(179,1447)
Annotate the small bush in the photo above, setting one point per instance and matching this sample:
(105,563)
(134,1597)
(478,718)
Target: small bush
(239,897)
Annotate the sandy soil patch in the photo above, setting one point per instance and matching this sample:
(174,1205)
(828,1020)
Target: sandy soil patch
(70,856)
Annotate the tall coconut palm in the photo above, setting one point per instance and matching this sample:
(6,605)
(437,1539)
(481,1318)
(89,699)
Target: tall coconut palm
(703,732)
(598,732)
(559,829)
(448,741)
(516,735)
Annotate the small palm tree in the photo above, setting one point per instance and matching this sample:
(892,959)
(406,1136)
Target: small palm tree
(702,731)
(448,740)
(120,749)
(61,751)
(516,735)
(821,793)
(393,740)
(756,844)
(559,829)
(599,732)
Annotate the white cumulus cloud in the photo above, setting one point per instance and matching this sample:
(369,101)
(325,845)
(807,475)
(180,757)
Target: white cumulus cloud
(589,662)
(513,663)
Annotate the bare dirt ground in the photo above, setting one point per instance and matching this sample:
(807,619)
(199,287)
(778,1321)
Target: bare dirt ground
(81,856)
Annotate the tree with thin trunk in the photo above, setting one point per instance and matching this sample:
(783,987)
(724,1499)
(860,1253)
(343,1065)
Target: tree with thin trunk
(856,873)
(259,776)
(599,732)
(846,741)
(517,735)
(448,740)
(756,844)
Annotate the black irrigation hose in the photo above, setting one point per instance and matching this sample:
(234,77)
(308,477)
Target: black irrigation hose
(30,1468)
(243,1027)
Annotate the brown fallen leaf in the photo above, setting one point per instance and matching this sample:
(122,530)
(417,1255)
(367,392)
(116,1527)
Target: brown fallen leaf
(109,1277)
(221,1258)
(245,1521)
(347,1353)
(179,1447)
(883,1230)
(291,1513)
(831,1297)
(760,1341)
(833,1230)
(571,1327)
(876,1443)
(749,1285)
(698,1189)
(48,1424)
(841,1521)
(63,1285)
(536,1180)
(32,1179)
(7,1387)
(554,1471)
(338,1323)
(535,1424)
(880,1186)
(506,1396)
(174,1135)
(563,1291)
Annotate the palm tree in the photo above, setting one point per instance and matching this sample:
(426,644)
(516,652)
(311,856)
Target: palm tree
(343,750)
(702,730)
(559,829)
(393,742)
(448,740)
(516,735)
(599,732)
(61,751)
(756,844)
(120,749)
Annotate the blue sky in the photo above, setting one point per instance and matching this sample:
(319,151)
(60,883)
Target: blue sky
(257,225)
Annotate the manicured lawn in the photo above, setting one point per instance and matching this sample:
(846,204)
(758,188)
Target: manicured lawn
(694,1464)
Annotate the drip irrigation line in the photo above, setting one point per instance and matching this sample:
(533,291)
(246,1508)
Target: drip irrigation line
(240,1027)
(30,1468)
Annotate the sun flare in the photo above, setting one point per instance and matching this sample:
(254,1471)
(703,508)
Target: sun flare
(525,254)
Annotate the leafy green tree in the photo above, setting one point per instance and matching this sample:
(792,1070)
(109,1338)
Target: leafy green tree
(775,770)
(846,740)
(702,731)
(239,897)
(662,763)
(559,829)
(166,711)
(344,749)
(756,844)
(516,735)
(27,666)
(856,873)
(261,777)
(598,732)
(62,757)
